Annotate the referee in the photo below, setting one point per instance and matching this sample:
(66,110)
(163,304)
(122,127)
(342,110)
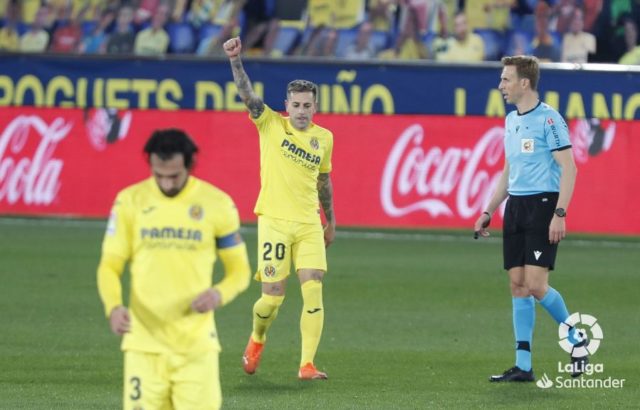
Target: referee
(537,181)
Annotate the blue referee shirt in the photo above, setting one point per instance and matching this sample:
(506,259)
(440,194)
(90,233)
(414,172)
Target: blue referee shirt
(529,140)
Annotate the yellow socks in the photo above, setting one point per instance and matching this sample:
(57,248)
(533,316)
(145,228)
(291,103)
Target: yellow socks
(311,320)
(265,311)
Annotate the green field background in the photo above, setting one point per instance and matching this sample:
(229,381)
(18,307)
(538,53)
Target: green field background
(414,320)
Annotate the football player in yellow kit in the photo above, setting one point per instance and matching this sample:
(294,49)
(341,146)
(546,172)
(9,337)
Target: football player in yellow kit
(295,161)
(170,228)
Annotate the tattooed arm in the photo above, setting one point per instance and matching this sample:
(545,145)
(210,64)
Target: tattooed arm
(325,194)
(232,48)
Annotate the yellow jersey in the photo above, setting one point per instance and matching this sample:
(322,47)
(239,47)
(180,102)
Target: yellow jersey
(9,40)
(348,13)
(321,13)
(290,162)
(493,14)
(29,9)
(170,244)
(90,8)
(336,13)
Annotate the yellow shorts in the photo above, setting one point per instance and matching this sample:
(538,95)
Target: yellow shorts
(281,242)
(171,381)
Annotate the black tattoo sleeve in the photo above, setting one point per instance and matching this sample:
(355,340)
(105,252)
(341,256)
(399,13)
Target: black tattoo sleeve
(325,195)
(251,100)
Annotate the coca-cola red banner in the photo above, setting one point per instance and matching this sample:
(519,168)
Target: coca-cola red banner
(389,171)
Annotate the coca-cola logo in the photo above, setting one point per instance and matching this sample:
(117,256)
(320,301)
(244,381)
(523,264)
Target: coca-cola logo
(455,181)
(31,177)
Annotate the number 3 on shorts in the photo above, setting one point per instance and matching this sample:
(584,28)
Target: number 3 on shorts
(136,394)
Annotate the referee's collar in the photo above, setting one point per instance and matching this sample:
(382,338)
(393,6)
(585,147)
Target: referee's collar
(533,109)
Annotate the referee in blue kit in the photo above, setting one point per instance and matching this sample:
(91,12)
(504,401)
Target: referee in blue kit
(538,179)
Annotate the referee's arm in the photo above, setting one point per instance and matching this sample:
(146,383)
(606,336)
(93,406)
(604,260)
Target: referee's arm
(501,190)
(558,226)
(500,194)
(564,158)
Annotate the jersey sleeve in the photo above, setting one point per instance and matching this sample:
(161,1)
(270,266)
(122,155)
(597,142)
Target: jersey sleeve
(227,219)
(556,131)
(237,272)
(232,252)
(116,250)
(118,236)
(264,120)
(109,273)
(325,164)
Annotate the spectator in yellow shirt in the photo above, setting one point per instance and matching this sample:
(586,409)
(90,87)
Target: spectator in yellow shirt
(9,38)
(154,41)
(382,14)
(493,14)
(36,39)
(577,44)
(632,56)
(28,10)
(464,46)
(409,44)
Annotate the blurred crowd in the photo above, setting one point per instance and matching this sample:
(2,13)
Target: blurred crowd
(575,31)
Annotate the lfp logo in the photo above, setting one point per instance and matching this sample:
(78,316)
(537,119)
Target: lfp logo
(581,336)
(571,342)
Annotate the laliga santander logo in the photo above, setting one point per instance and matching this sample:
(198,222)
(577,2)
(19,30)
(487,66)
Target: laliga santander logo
(571,343)
(33,179)
(418,178)
(581,336)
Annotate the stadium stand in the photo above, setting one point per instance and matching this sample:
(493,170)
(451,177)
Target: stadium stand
(493,43)
(286,40)
(182,39)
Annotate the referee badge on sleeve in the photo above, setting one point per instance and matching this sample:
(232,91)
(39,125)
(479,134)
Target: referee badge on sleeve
(526,145)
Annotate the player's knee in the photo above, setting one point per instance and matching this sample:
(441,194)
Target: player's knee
(274,289)
(538,290)
(272,300)
(519,289)
(306,275)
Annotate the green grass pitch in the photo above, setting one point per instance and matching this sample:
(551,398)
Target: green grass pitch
(414,320)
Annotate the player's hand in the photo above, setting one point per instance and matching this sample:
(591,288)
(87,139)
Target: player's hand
(557,229)
(119,320)
(208,300)
(329,234)
(232,47)
(481,225)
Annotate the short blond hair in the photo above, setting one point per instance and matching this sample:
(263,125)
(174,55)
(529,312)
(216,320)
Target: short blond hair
(526,67)
(302,86)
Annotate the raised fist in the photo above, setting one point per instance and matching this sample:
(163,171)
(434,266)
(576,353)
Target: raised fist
(232,47)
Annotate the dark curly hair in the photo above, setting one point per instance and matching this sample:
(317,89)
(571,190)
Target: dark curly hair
(168,142)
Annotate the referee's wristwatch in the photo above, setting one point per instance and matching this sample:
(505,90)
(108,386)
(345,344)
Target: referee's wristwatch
(560,212)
